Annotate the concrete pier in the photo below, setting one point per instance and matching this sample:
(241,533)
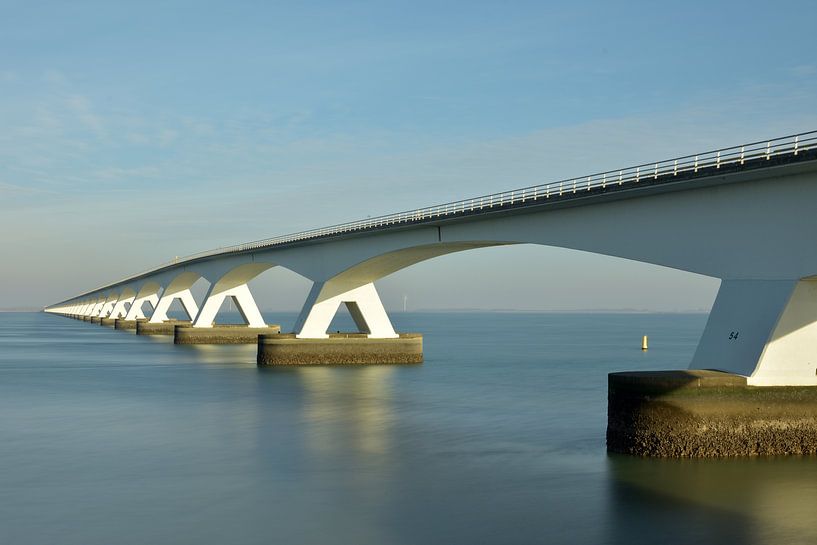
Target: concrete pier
(122,323)
(95,319)
(110,322)
(164,328)
(699,413)
(339,349)
(222,334)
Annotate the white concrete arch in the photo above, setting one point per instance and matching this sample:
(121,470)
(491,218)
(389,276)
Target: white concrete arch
(108,303)
(148,292)
(97,307)
(123,302)
(355,288)
(233,284)
(177,288)
(382,265)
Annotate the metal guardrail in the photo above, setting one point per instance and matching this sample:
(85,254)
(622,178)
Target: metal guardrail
(568,188)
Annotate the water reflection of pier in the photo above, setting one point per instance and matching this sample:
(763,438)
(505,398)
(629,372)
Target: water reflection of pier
(348,410)
(763,500)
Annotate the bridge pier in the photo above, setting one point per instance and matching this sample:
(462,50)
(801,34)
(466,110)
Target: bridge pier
(760,335)
(125,324)
(765,330)
(339,349)
(698,413)
(362,301)
(124,300)
(185,296)
(97,307)
(167,327)
(107,306)
(376,342)
(147,294)
(222,334)
(241,296)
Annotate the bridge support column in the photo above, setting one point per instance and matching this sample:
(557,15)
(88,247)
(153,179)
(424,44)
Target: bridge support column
(203,331)
(119,310)
(696,413)
(765,330)
(243,299)
(363,303)
(759,333)
(107,307)
(97,308)
(147,294)
(377,342)
(184,295)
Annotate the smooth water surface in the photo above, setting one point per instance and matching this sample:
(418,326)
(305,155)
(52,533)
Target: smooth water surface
(498,438)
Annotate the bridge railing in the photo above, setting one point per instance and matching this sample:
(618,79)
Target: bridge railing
(567,188)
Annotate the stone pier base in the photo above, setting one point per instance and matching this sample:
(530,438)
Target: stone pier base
(707,414)
(222,334)
(107,321)
(95,319)
(122,323)
(339,349)
(164,328)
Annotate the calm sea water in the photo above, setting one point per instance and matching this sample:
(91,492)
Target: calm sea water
(109,438)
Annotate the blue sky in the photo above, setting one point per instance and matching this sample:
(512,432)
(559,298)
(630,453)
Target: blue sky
(134,132)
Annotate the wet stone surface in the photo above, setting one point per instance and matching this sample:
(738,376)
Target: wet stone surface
(707,414)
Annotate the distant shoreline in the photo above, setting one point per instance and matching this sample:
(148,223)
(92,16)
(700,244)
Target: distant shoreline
(473,311)
(562,311)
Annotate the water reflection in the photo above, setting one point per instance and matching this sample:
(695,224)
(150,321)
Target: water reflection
(102,432)
(763,500)
(348,409)
(214,354)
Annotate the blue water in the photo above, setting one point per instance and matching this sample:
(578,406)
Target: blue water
(498,438)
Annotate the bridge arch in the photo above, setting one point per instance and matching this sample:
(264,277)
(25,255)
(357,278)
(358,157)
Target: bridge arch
(178,287)
(233,284)
(124,299)
(147,292)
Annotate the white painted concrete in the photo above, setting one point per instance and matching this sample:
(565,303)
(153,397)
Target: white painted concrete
(242,298)
(178,288)
(740,324)
(790,356)
(363,303)
(124,301)
(107,306)
(97,307)
(765,330)
(148,293)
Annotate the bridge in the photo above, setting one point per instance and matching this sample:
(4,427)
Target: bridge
(745,214)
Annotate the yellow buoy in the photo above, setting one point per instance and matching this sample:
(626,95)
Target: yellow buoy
(644,342)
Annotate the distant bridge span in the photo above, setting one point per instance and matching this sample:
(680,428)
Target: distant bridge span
(746,215)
